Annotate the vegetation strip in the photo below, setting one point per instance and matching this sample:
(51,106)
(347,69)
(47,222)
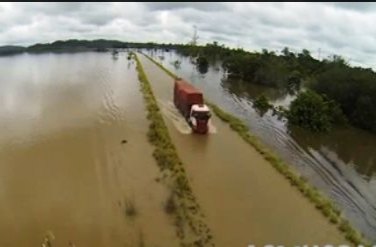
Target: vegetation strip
(323,204)
(191,229)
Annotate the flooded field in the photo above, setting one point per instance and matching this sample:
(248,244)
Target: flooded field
(75,166)
(342,164)
(244,199)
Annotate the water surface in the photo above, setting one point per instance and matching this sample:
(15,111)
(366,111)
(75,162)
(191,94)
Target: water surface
(74,154)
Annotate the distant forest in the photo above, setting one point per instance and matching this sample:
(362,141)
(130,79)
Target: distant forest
(335,92)
(72,45)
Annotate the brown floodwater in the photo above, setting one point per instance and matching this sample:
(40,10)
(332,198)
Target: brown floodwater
(244,199)
(74,157)
(342,163)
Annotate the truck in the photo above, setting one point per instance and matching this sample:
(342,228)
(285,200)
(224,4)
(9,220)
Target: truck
(190,102)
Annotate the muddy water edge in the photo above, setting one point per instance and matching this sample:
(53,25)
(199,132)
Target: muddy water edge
(75,163)
(246,201)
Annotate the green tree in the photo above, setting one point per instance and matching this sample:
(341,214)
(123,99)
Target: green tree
(314,112)
(202,64)
(262,105)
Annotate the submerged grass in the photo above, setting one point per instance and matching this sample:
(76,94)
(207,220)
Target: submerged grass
(170,205)
(181,203)
(130,208)
(323,204)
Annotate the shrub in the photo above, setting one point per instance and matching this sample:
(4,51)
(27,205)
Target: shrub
(262,104)
(314,112)
(202,64)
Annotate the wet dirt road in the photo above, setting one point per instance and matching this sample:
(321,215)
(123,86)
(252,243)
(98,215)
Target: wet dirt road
(65,171)
(245,200)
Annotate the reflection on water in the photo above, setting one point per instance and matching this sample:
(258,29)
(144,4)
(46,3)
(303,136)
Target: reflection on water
(342,164)
(278,97)
(352,146)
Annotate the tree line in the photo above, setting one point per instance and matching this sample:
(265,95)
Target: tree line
(335,92)
(74,45)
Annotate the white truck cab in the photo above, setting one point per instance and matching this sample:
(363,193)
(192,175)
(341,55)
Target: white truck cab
(199,112)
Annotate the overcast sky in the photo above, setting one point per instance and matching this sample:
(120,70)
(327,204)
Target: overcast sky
(347,29)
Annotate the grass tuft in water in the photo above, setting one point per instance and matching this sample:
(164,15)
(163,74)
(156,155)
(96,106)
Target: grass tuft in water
(170,205)
(130,208)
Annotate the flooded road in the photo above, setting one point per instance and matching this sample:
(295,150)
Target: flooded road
(75,165)
(342,164)
(244,199)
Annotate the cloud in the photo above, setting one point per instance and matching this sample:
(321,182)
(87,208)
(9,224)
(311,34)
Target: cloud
(357,6)
(345,29)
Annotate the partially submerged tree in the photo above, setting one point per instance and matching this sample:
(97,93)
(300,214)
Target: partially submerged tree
(314,112)
(262,104)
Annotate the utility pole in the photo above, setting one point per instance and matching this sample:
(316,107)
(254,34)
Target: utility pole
(195,36)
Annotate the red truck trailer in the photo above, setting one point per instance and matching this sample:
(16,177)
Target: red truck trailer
(190,103)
